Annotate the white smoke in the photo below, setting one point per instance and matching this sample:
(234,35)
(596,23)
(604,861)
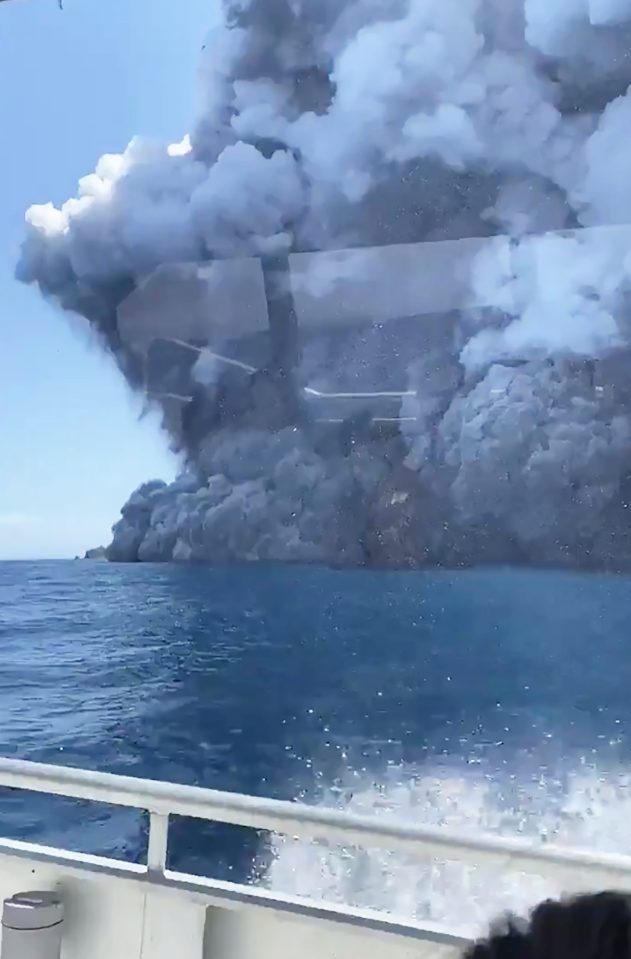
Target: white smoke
(440,91)
(325,125)
(563,293)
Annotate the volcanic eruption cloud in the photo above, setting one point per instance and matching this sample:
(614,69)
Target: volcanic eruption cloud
(381,293)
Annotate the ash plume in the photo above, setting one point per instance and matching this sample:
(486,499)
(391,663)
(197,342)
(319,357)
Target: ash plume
(381,291)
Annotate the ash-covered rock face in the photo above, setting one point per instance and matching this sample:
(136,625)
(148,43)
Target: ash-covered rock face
(328,124)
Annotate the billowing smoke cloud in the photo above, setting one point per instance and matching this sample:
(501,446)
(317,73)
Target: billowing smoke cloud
(499,422)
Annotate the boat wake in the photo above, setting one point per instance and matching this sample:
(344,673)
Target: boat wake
(580,805)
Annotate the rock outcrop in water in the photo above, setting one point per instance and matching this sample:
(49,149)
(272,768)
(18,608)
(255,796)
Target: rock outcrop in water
(98,553)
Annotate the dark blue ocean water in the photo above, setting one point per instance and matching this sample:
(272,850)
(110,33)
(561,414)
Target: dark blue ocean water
(285,681)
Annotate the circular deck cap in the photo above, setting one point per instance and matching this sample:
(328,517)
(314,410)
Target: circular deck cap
(32,910)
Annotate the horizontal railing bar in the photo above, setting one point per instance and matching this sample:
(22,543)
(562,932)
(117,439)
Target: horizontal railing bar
(231,896)
(296,820)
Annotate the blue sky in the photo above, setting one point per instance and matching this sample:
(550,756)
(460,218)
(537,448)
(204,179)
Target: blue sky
(74,85)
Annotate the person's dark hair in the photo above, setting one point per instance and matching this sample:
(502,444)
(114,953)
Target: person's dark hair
(596,926)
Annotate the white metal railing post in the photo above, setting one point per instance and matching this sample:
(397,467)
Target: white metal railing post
(158,842)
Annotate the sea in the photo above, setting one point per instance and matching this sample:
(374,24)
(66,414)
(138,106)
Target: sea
(495,700)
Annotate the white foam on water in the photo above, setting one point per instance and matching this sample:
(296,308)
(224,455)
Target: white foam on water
(579,805)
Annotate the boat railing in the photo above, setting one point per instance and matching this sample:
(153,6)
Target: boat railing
(162,800)
(570,869)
